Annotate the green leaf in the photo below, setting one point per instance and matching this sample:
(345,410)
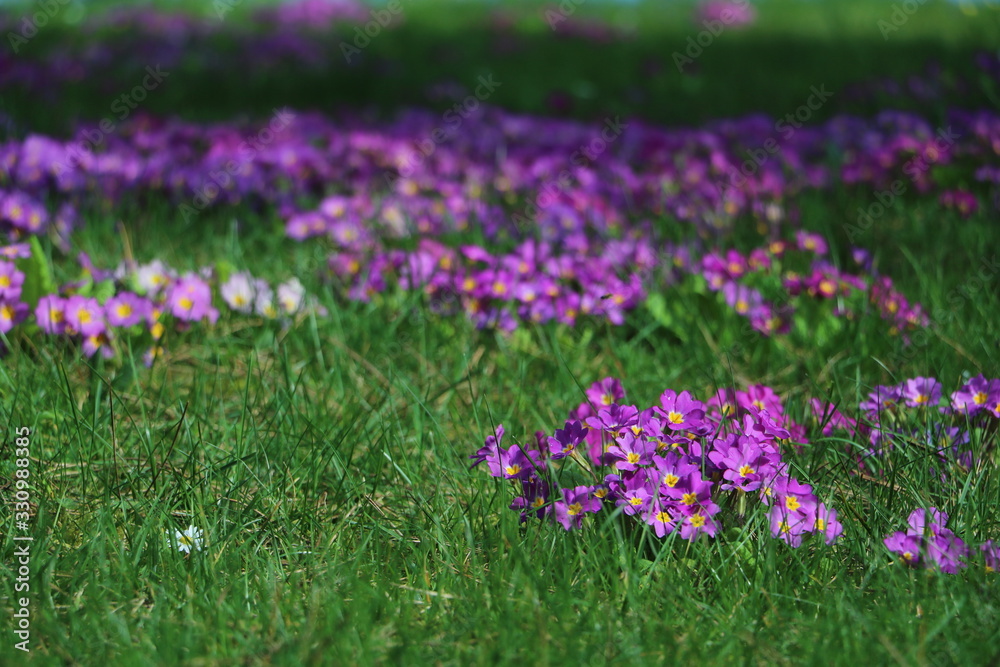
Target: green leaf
(103,291)
(224,270)
(656,304)
(37,271)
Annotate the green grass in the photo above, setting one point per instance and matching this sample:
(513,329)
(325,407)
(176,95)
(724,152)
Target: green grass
(326,464)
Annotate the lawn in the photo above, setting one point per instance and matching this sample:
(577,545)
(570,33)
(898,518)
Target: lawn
(263,298)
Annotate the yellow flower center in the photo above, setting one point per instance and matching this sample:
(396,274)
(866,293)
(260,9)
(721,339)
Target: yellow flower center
(123,310)
(5,281)
(632,458)
(689,498)
(746,470)
(697,520)
(635,502)
(671,480)
(664,517)
(979,397)
(792,503)
(675,417)
(186,303)
(512,469)
(574,509)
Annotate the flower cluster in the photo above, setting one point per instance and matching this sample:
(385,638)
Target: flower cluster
(793,272)
(139,302)
(887,416)
(670,466)
(929,544)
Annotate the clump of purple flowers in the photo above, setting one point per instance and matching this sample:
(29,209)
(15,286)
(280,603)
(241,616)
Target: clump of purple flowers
(671,466)
(929,544)
(137,302)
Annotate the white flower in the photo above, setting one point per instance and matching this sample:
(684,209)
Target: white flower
(290,295)
(152,277)
(186,541)
(264,300)
(238,292)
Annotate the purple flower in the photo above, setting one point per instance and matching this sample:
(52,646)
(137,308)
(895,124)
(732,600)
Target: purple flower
(662,517)
(742,461)
(825,521)
(975,395)
(566,439)
(190,300)
(126,309)
(514,464)
(606,392)
(634,496)
(84,316)
(673,471)
(761,397)
(991,555)
(741,298)
(16,251)
(920,392)
(907,547)
(533,498)
(98,342)
(928,540)
(697,523)
(574,503)
(790,525)
(11,281)
(680,411)
(50,313)
(631,452)
(882,399)
(11,314)
(490,450)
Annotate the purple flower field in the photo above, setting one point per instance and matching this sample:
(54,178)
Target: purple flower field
(270,271)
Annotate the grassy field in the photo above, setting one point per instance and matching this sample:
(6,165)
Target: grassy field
(327,462)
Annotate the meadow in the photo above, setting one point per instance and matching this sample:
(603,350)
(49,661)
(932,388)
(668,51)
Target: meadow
(466,333)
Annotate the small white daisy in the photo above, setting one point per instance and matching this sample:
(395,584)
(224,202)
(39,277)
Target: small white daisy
(188,540)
